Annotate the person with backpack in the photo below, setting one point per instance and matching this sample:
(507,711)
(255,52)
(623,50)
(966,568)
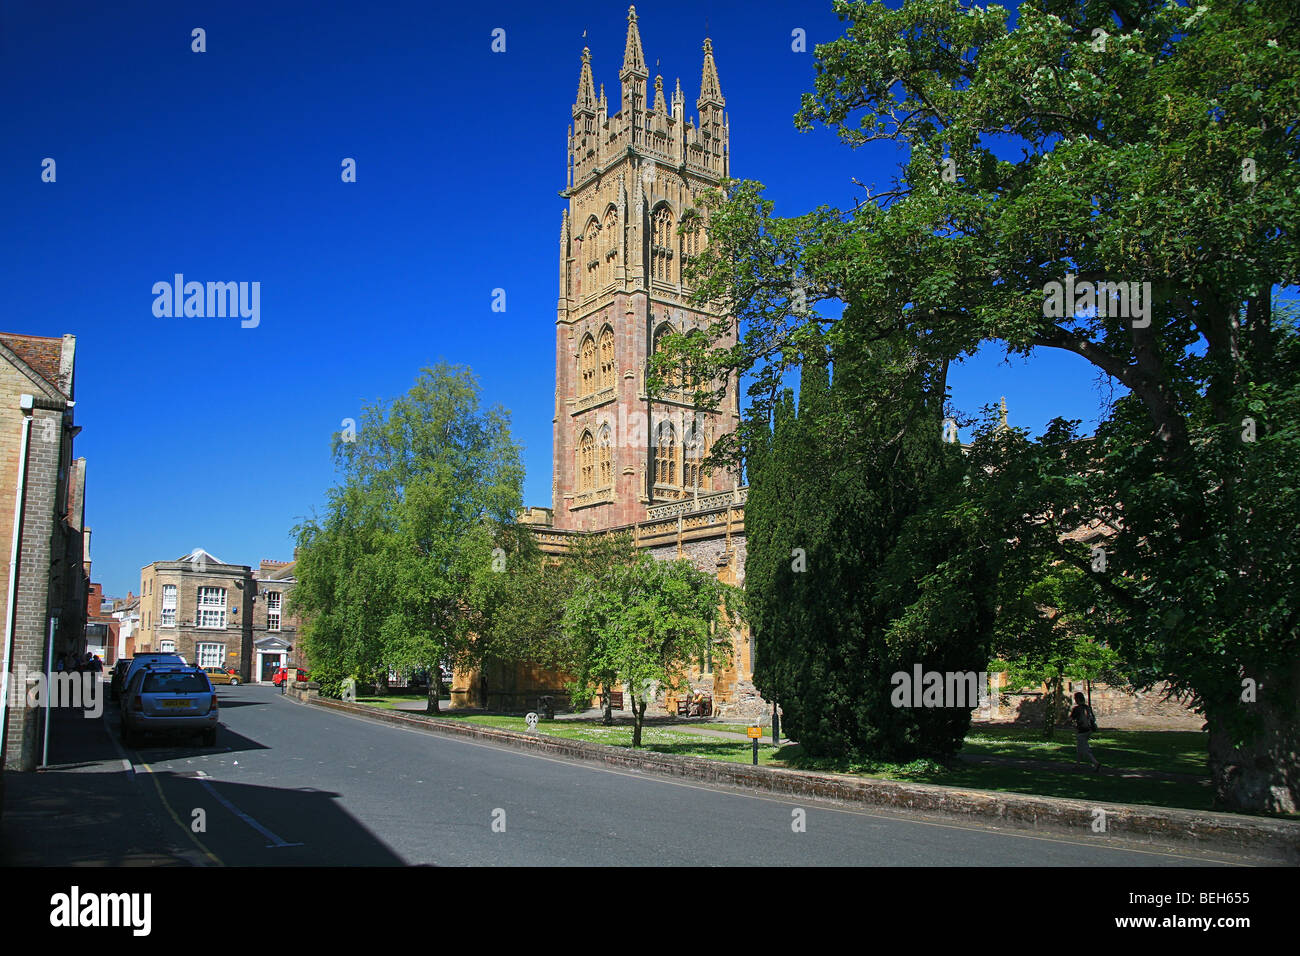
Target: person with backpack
(1085,723)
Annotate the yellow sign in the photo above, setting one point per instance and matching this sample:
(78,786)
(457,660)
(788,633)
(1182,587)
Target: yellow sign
(754,732)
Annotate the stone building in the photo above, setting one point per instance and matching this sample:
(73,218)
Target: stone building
(42,525)
(623,460)
(200,608)
(275,630)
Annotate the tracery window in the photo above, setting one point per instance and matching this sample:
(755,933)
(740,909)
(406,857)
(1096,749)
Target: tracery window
(673,376)
(605,458)
(608,372)
(693,475)
(661,244)
(587,366)
(610,253)
(666,455)
(586,462)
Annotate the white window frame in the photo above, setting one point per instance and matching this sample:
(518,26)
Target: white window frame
(273,604)
(168,617)
(209,654)
(167,646)
(210,612)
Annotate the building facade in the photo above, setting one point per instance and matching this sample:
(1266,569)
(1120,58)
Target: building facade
(635,184)
(275,630)
(625,459)
(200,608)
(42,524)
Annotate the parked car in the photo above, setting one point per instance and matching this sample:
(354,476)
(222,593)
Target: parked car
(150,659)
(222,675)
(170,700)
(291,674)
(118,676)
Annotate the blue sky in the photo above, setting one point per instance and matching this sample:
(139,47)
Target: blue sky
(224,166)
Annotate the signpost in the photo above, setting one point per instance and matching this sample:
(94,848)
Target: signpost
(754,734)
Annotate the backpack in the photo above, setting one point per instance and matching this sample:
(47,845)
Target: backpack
(1091,718)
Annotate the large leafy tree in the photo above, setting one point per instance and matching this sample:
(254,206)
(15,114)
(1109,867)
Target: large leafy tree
(1131,141)
(848,572)
(391,577)
(642,622)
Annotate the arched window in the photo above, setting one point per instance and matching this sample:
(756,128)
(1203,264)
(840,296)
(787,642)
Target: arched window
(661,243)
(608,371)
(692,242)
(666,455)
(586,462)
(587,366)
(694,450)
(605,458)
(672,377)
(591,253)
(610,253)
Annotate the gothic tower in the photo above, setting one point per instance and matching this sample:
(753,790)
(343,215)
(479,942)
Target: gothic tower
(631,178)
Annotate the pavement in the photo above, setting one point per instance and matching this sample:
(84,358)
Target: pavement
(84,808)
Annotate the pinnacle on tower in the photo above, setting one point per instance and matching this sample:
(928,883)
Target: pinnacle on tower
(710,88)
(633,57)
(660,106)
(586,90)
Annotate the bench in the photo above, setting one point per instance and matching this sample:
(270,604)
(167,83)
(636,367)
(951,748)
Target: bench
(703,707)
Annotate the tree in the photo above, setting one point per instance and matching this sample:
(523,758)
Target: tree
(1157,178)
(640,623)
(388,579)
(847,576)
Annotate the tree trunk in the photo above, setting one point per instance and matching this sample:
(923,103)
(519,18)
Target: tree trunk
(638,714)
(1263,774)
(435,691)
(608,704)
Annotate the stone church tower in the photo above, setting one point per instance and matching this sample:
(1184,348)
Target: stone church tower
(631,178)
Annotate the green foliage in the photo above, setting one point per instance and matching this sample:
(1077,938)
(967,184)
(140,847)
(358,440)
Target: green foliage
(1164,153)
(641,622)
(848,575)
(392,576)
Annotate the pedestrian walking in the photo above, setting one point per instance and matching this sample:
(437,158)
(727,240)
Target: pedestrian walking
(1085,724)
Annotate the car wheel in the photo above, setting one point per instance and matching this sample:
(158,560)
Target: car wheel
(234,682)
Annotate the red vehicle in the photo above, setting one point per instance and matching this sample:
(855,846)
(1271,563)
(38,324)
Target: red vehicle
(291,673)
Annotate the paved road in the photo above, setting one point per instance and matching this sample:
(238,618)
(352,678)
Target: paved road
(290,784)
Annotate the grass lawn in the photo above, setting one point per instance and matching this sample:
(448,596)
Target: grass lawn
(388,700)
(1181,752)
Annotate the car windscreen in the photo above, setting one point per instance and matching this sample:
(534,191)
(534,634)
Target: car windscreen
(174,683)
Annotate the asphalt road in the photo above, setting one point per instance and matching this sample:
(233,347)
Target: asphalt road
(290,784)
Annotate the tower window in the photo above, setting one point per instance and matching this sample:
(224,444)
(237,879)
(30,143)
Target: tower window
(587,366)
(608,371)
(666,455)
(586,462)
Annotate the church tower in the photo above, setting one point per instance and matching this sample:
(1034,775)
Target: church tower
(631,178)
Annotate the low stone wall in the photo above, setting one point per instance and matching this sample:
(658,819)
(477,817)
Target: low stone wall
(1262,839)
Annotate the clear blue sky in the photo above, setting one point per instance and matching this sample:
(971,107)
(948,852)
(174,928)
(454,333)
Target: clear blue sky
(225,166)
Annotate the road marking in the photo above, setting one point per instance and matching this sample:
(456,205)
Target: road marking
(275,843)
(805,801)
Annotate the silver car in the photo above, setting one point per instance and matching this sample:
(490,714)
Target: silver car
(170,700)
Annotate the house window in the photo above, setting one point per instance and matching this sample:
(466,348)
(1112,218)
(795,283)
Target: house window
(211,655)
(167,646)
(168,606)
(273,610)
(606,459)
(212,608)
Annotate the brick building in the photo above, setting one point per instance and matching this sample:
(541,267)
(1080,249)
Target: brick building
(200,608)
(42,525)
(275,631)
